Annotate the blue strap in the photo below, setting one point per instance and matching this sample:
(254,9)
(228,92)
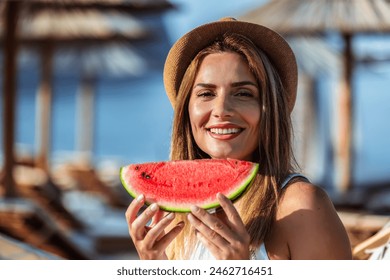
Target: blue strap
(290,177)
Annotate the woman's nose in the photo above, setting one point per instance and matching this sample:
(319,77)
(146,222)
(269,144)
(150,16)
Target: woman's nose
(222,107)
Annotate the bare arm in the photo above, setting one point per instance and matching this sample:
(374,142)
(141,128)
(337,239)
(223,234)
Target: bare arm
(309,225)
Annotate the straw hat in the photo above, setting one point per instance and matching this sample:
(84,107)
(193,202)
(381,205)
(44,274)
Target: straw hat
(270,42)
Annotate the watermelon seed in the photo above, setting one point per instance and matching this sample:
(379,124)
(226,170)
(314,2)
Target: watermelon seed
(146,176)
(136,167)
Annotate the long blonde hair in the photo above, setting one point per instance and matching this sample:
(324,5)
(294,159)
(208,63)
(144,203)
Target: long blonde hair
(274,153)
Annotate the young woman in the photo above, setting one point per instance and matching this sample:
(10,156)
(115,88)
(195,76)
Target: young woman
(233,86)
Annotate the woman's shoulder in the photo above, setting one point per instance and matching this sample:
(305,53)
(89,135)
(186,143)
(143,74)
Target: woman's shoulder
(302,194)
(306,199)
(310,224)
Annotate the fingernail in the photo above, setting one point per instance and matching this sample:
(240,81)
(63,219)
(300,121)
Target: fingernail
(181,224)
(153,207)
(170,216)
(140,198)
(194,208)
(220,196)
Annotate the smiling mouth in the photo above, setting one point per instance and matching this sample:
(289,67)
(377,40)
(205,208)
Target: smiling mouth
(225,131)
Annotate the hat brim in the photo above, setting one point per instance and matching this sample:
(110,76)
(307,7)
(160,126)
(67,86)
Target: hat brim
(271,43)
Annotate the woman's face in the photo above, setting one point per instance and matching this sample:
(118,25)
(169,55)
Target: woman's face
(224,107)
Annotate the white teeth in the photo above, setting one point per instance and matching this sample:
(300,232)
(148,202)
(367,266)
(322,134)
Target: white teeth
(225,130)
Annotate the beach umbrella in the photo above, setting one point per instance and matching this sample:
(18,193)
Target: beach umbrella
(47,24)
(96,45)
(316,18)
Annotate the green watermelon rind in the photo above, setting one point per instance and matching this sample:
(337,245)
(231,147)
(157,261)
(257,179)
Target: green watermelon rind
(233,196)
(132,194)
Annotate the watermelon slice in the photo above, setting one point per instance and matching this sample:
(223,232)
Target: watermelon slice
(176,185)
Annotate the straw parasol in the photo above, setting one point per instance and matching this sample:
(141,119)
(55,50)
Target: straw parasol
(315,18)
(47,24)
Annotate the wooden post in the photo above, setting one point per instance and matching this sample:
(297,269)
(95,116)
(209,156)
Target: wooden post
(9,93)
(85,119)
(308,118)
(345,122)
(44,109)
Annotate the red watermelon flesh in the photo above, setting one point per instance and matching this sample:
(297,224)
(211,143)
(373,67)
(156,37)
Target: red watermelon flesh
(176,185)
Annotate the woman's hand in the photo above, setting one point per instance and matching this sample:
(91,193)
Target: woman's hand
(226,236)
(150,241)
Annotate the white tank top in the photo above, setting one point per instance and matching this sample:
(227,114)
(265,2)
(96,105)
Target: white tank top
(201,253)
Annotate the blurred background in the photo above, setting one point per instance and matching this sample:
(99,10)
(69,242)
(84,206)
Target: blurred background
(82,95)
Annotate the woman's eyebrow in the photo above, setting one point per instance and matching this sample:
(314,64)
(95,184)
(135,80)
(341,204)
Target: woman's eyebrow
(205,85)
(235,84)
(244,83)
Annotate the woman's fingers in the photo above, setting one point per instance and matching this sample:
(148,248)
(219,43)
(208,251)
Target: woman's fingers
(164,241)
(233,217)
(147,229)
(155,233)
(138,226)
(209,226)
(134,207)
(224,234)
(157,217)
(214,249)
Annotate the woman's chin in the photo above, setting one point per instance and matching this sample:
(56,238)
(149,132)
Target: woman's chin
(230,155)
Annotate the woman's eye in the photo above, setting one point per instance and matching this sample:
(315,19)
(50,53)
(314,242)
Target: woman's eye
(205,94)
(244,94)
